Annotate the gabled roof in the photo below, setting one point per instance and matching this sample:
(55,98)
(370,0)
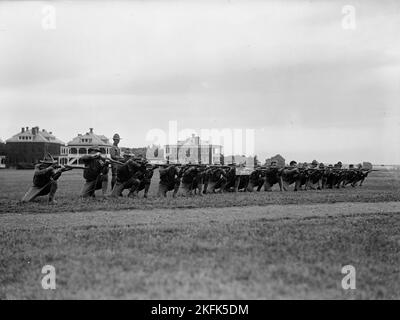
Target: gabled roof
(34,135)
(90,139)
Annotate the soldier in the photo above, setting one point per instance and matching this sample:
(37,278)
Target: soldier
(273,175)
(199,181)
(115,153)
(128,177)
(256,180)
(216,180)
(327,180)
(188,176)
(145,180)
(44,182)
(232,179)
(362,174)
(95,173)
(315,175)
(169,180)
(290,175)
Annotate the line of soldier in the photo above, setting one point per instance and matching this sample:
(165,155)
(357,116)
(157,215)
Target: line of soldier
(135,174)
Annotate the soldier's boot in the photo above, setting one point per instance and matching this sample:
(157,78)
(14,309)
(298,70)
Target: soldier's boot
(201,190)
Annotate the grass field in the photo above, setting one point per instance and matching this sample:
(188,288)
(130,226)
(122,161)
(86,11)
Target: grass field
(245,246)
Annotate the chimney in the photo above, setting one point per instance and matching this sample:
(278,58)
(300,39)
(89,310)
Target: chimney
(91,130)
(23,130)
(27,128)
(51,132)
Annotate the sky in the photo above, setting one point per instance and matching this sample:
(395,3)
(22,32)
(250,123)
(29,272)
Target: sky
(311,81)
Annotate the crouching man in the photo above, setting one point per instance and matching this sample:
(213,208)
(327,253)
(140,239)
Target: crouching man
(145,180)
(169,180)
(128,177)
(95,173)
(44,182)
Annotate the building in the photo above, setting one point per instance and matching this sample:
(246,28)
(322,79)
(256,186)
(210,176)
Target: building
(155,154)
(80,145)
(31,145)
(278,158)
(193,150)
(240,160)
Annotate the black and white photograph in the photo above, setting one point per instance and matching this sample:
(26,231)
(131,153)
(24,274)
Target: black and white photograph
(208,151)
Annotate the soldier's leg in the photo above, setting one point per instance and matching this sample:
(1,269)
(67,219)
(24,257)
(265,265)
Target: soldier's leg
(211,187)
(132,185)
(297,185)
(280,183)
(146,188)
(267,186)
(104,184)
(222,184)
(200,187)
(52,191)
(162,190)
(117,190)
(250,187)
(176,188)
(114,176)
(88,189)
(237,183)
(185,187)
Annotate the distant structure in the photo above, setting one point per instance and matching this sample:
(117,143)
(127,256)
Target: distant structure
(278,158)
(155,154)
(241,160)
(79,146)
(31,145)
(193,150)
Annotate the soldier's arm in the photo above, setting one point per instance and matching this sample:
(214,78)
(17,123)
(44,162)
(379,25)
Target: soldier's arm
(89,157)
(41,172)
(114,155)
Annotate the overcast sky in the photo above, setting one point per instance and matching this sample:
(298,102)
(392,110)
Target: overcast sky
(289,70)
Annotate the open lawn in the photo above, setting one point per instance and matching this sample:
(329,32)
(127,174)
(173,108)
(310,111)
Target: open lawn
(245,246)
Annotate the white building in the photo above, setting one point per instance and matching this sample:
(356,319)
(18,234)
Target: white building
(80,145)
(193,150)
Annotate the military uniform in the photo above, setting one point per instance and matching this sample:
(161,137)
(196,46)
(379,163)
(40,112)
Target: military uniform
(169,180)
(145,181)
(95,174)
(44,183)
(115,154)
(128,177)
